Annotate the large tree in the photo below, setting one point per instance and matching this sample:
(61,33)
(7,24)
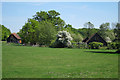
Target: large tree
(5,32)
(34,32)
(42,27)
(89,26)
(45,33)
(27,33)
(51,16)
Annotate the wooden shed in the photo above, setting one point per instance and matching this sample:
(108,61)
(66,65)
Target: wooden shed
(95,38)
(14,38)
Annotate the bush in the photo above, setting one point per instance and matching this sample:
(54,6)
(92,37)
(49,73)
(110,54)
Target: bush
(113,45)
(63,40)
(74,45)
(80,45)
(52,44)
(95,45)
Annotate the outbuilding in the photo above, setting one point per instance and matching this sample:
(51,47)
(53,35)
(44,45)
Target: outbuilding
(14,38)
(95,38)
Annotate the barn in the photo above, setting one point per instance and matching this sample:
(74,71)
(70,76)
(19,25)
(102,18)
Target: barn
(95,38)
(14,38)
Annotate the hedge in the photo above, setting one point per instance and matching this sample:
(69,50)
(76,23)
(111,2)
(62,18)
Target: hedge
(95,45)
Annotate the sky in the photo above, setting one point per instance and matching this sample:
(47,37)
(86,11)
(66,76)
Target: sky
(15,14)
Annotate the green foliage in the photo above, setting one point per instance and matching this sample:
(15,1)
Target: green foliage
(77,37)
(41,16)
(0,32)
(89,26)
(52,16)
(70,29)
(83,32)
(27,33)
(37,32)
(117,36)
(103,30)
(95,45)
(45,33)
(110,34)
(79,45)
(5,32)
(117,31)
(68,26)
(113,45)
(42,28)
(53,44)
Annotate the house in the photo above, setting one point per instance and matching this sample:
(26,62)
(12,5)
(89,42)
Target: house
(95,38)
(14,38)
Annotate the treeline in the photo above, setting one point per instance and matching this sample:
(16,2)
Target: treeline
(4,33)
(44,26)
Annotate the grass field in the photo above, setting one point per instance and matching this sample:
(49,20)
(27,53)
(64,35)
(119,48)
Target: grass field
(37,62)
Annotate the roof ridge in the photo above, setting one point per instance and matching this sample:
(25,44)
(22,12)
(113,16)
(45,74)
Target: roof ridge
(16,35)
(91,37)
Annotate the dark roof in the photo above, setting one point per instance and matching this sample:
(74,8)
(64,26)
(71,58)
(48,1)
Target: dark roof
(88,40)
(16,35)
(91,37)
(115,40)
(84,40)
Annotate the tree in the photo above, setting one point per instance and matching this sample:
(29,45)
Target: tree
(68,26)
(77,37)
(117,31)
(0,32)
(41,16)
(103,30)
(83,31)
(89,26)
(40,29)
(52,16)
(5,32)
(45,33)
(27,33)
(108,39)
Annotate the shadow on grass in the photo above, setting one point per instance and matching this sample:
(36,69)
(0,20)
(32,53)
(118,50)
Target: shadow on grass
(104,52)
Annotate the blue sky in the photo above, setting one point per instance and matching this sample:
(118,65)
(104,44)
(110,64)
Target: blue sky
(15,14)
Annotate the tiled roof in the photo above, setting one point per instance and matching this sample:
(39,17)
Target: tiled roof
(17,36)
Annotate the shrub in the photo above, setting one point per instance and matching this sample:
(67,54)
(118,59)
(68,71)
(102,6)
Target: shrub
(95,45)
(74,45)
(113,45)
(79,45)
(63,39)
(52,44)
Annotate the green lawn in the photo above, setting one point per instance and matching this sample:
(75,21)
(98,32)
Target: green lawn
(37,62)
